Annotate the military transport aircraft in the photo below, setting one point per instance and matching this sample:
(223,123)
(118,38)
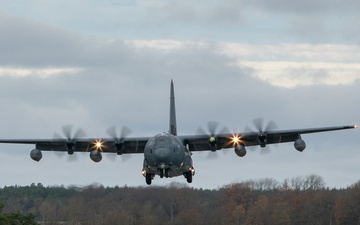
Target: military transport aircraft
(168,154)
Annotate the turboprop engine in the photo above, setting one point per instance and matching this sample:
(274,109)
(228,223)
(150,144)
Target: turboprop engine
(240,150)
(95,156)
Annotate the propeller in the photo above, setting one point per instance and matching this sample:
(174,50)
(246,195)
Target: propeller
(118,135)
(262,132)
(67,130)
(259,124)
(212,133)
(70,139)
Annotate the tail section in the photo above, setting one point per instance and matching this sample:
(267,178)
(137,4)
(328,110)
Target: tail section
(172,127)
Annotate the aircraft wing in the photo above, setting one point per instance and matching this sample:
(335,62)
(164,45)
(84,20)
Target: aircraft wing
(124,146)
(202,142)
(194,142)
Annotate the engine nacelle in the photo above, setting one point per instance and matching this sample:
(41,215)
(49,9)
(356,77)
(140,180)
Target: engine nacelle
(36,155)
(300,145)
(213,143)
(240,150)
(95,156)
(262,140)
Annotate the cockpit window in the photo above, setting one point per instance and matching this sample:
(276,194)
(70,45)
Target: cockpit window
(162,141)
(151,141)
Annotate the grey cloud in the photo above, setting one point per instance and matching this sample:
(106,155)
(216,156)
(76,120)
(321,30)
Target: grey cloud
(277,20)
(249,21)
(111,67)
(307,6)
(26,43)
(212,13)
(124,85)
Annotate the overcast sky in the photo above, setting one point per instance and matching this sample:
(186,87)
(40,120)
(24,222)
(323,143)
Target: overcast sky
(95,64)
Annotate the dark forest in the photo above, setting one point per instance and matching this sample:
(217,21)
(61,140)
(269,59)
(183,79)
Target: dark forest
(300,200)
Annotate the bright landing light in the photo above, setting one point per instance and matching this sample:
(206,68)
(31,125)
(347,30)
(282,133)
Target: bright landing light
(235,139)
(98,145)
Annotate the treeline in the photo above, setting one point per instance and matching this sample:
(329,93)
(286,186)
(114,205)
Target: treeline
(301,200)
(16,218)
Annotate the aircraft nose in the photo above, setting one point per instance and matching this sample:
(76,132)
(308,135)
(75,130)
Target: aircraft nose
(162,154)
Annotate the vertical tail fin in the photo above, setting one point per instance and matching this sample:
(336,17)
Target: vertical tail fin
(172,126)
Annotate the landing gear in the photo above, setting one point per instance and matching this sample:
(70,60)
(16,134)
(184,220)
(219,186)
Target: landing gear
(164,172)
(148,178)
(188,175)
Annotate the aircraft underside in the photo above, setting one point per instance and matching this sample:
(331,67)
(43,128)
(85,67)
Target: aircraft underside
(169,172)
(166,156)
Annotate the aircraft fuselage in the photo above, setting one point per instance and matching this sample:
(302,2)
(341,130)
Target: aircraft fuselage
(166,155)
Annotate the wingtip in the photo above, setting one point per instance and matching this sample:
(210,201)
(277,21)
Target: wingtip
(356,126)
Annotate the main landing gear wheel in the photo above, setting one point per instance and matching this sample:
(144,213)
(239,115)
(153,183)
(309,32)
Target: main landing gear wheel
(164,172)
(188,176)
(148,178)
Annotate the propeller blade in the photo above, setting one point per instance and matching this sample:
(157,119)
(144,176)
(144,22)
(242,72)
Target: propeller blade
(248,130)
(212,155)
(57,137)
(258,122)
(201,131)
(79,133)
(111,156)
(125,131)
(59,154)
(212,126)
(72,158)
(125,157)
(112,132)
(265,150)
(211,129)
(271,126)
(117,136)
(68,138)
(225,130)
(211,133)
(67,131)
